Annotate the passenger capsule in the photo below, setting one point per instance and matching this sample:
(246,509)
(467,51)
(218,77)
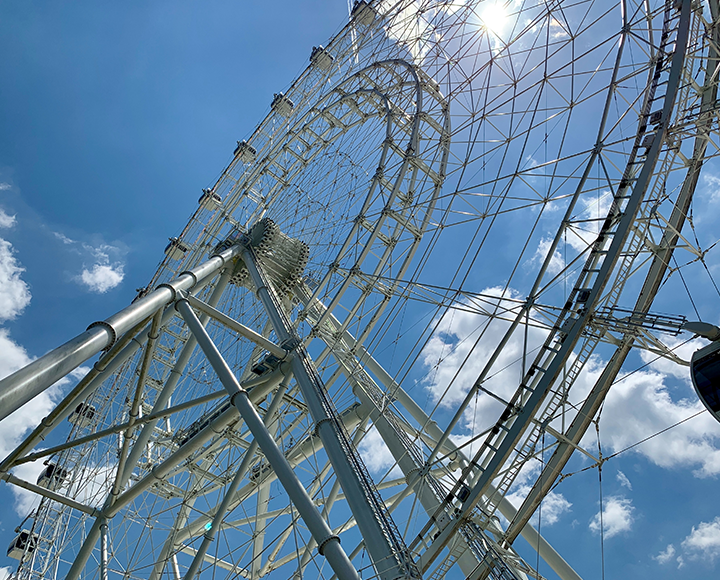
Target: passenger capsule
(83,415)
(52,477)
(23,544)
(175,250)
(209,199)
(705,373)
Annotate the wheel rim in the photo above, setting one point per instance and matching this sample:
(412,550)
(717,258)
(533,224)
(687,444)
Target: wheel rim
(478,149)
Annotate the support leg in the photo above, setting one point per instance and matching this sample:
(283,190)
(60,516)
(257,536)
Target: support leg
(328,543)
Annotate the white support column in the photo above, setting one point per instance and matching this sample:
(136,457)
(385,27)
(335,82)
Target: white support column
(328,543)
(387,550)
(21,386)
(209,535)
(190,280)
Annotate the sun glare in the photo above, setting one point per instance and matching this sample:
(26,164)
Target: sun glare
(494,18)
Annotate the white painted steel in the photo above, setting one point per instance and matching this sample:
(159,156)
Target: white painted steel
(427,169)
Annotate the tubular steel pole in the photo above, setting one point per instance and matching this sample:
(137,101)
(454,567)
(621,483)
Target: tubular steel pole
(328,543)
(201,273)
(23,385)
(383,550)
(103,550)
(209,535)
(168,389)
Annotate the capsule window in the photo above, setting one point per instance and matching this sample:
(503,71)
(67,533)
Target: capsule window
(83,415)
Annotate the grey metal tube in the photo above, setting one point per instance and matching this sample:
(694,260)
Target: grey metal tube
(328,543)
(385,556)
(533,537)
(137,399)
(230,493)
(103,551)
(25,384)
(120,428)
(201,273)
(106,365)
(241,329)
(162,469)
(295,456)
(42,491)
(167,391)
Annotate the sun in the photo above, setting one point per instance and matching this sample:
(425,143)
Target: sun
(494,17)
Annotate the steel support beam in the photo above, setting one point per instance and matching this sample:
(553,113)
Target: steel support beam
(432,434)
(241,329)
(385,553)
(210,534)
(650,287)
(328,543)
(108,363)
(202,272)
(23,385)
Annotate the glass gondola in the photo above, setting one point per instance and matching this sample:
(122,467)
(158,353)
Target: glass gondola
(23,545)
(705,373)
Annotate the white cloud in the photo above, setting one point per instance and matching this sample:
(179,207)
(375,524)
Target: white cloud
(63,238)
(5,186)
(102,277)
(376,455)
(460,348)
(712,185)
(26,501)
(557,30)
(12,355)
(107,268)
(18,424)
(684,351)
(624,481)
(6,221)
(666,555)
(617,517)
(5,571)
(93,485)
(107,271)
(553,506)
(14,292)
(591,215)
(703,542)
(640,406)
(557,263)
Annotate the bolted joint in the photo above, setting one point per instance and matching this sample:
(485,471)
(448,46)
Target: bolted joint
(107,326)
(316,431)
(240,391)
(412,476)
(290,344)
(324,541)
(191,274)
(172,291)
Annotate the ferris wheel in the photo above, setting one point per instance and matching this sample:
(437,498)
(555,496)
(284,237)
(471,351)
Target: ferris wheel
(291,395)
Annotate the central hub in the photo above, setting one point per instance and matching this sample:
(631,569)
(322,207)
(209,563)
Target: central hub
(283,258)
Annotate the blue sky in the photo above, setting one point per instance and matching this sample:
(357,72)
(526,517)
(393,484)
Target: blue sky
(112,119)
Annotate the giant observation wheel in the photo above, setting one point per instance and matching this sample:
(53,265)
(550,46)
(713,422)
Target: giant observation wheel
(529,163)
